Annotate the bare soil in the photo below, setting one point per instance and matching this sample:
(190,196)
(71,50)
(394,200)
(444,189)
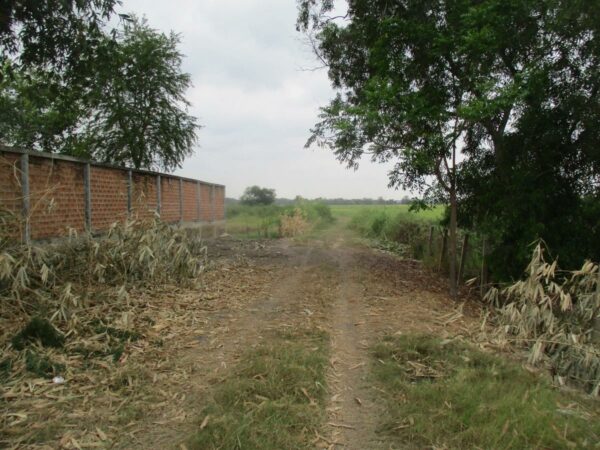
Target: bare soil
(331,282)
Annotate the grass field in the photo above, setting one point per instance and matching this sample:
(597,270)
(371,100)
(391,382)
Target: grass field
(351,211)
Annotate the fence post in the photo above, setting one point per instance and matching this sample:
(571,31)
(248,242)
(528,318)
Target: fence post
(463,257)
(444,246)
(213,210)
(158,194)
(87,196)
(483,277)
(129,192)
(180,201)
(430,243)
(26,197)
(198,201)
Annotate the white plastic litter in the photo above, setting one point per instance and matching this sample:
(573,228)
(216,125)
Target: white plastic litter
(58,380)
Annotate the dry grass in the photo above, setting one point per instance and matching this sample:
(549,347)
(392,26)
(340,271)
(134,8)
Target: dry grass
(555,315)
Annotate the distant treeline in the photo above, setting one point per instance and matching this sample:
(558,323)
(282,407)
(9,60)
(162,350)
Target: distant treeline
(336,201)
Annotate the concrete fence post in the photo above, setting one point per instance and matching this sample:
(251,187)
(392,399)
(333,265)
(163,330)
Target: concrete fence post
(213,209)
(158,194)
(129,193)
(180,201)
(198,201)
(87,196)
(26,198)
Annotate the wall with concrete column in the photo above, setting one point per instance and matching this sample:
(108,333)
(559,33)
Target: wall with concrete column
(54,193)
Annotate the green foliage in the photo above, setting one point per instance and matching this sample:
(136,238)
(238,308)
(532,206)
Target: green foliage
(399,231)
(255,195)
(516,80)
(274,400)
(445,394)
(39,330)
(556,316)
(266,219)
(41,365)
(122,103)
(52,32)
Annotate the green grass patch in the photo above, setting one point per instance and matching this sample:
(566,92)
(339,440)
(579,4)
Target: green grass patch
(260,221)
(39,330)
(442,394)
(350,211)
(41,365)
(274,399)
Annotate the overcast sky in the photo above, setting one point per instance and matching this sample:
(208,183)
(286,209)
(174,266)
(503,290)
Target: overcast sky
(254,99)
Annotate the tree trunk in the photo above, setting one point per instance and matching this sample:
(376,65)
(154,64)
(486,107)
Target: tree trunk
(452,244)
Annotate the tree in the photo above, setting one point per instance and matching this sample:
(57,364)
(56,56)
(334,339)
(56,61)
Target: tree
(123,103)
(138,111)
(50,32)
(442,87)
(255,195)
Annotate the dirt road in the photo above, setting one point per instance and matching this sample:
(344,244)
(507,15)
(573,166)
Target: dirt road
(330,281)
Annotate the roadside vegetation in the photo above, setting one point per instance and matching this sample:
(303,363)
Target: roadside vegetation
(271,221)
(73,308)
(274,399)
(446,394)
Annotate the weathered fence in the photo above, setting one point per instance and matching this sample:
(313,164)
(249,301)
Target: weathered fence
(52,193)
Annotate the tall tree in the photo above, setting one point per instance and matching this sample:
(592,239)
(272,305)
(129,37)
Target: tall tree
(441,86)
(139,111)
(50,32)
(123,102)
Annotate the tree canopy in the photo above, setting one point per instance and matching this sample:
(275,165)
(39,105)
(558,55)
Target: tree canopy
(255,195)
(458,93)
(116,97)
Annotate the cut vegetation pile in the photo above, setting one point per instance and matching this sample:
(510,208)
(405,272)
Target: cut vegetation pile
(67,313)
(555,314)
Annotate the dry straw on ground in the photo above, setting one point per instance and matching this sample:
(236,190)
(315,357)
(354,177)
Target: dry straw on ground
(555,314)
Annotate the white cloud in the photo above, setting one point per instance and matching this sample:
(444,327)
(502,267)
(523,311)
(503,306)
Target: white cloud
(256,103)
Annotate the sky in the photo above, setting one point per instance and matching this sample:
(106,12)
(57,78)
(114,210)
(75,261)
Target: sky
(256,100)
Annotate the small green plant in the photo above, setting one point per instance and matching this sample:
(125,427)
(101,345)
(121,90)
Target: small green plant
(41,365)
(38,330)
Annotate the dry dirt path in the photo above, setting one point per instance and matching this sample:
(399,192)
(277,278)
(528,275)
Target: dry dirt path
(329,281)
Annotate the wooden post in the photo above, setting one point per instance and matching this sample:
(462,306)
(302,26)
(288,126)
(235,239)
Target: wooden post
(129,193)
(158,194)
(463,257)
(483,277)
(430,243)
(87,196)
(444,249)
(180,201)
(26,198)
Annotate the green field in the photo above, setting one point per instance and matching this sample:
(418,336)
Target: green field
(263,221)
(351,211)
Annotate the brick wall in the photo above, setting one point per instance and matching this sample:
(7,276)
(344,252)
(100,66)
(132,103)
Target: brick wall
(57,195)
